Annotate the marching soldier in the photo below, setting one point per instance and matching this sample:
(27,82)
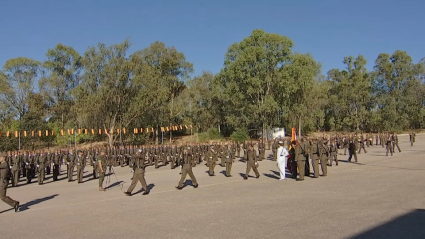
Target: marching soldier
(212,158)
(138,161)
(4,171)
(333,150)
(395,142)
(352,150)
(251,162)
(186,162)
(101,169)
(412,138)
(389,146)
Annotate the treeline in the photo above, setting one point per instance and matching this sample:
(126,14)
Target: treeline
(263,84)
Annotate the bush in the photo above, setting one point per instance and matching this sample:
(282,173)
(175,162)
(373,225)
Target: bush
(240,135)
(211,134)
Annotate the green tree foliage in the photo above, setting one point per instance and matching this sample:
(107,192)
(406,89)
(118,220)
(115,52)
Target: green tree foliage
(262,84)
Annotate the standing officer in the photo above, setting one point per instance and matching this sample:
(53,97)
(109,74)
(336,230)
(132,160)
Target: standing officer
(352,150)
(16,164)
(300,159)
(56,160)
(41,167)
(138,173)
(70,164)
(4,171)
(186,162)
(251,162)
(212,158)
(324,154)
(229,160)
(80,166)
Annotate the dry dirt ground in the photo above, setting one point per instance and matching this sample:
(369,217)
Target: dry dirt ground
(378,197)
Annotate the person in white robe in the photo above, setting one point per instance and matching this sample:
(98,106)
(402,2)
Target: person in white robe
(282,155)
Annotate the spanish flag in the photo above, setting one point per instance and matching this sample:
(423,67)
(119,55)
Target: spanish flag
(152,130)
(72,131)
(124,131)
(86,131)
(168,129)
(53,132)
(62,132)
(69,132)
(162,129)
(79,131)
(92,131)
(100,131)
(7,134)
(25,134)
(135,130)
(47,133)
(141,130)
(39,133)
(16,134)
(32,133)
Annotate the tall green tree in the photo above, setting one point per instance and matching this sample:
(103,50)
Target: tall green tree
(21,75)
(106,92)
(64,67)
(397,87)
(160,72)
(250,79)
(350,95)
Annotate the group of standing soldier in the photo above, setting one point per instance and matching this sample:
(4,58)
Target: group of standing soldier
(321,151)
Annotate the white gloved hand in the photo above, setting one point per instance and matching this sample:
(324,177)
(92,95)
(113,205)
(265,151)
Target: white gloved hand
(37,166)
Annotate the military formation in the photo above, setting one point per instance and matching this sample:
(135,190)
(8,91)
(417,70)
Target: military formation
(307,157)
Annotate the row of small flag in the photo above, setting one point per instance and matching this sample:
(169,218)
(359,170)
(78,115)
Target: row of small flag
(99,131)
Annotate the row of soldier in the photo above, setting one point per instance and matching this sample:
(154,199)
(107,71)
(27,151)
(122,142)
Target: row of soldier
(31,164)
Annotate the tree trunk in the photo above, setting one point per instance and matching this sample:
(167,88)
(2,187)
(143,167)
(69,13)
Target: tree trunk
(299,127)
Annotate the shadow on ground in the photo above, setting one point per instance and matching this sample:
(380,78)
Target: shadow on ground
(409,226)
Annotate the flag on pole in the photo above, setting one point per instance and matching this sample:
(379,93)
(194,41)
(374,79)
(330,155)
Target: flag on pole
(79,131)
(162,129)
(47,133)
(16,134)
(7,134)
(118,131)
(152,130)
(62,132)
(25,134)
(86,131)
(92,131)
(135,130)
(185,126)
(100,131)
(39,133)
(141,130)
(69,132)
(53,132)
(168,129)
(124,131)
(72,131)
(32,133)
(147,130)
(181,127)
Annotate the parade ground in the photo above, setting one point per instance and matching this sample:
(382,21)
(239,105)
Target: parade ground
(378,197)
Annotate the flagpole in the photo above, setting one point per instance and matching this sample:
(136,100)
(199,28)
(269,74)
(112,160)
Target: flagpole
(19,133)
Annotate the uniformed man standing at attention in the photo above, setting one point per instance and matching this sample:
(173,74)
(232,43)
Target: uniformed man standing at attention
(138,166)
(4,171)
(102,168)
(251,162)
(80,166)
(41,164)
(186,162)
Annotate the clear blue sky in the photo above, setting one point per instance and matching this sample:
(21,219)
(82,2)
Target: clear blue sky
(203,30)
